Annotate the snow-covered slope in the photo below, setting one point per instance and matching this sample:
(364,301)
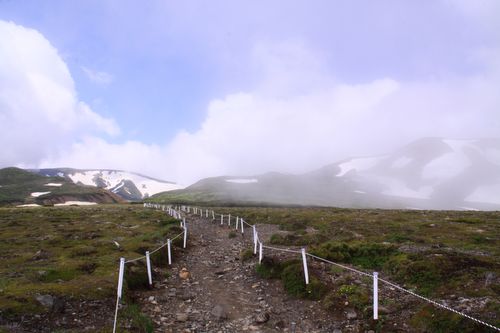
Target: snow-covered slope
(442,173)
(128,185)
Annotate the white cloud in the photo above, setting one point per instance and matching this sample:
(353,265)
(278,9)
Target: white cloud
(39,107)
(296,118)
(296,125)
(98,77)
(94,152)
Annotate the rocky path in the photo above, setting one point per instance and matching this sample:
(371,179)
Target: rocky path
(221,293)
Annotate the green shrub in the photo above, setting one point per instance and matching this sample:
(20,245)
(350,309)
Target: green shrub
(366,255)
(139,321)
(269,268)
(315,290)
(246,254)
(136,276)
(64,274)
(431,319)
(232,234)
(293,280)
(167,221)
(356,296)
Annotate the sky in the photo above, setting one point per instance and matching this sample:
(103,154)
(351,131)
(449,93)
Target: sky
(183,90)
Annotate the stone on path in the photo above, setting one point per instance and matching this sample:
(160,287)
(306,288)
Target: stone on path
(219,313)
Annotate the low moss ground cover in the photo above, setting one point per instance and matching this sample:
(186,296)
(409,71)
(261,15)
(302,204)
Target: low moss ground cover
(71,252)
(439,254)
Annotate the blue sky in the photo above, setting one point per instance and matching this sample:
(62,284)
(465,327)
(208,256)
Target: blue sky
(240,86)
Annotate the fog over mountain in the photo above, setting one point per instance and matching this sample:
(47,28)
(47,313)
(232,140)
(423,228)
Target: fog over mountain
(431,173)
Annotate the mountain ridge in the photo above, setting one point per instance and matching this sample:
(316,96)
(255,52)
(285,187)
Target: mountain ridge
(23,188)
(131,186)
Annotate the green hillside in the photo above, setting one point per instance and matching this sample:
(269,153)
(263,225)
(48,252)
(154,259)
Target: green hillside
(17,185)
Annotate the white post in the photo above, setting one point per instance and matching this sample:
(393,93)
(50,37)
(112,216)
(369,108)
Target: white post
(221,219)
(120,277)
(213,215)
(169,250)
(201,212)
(119,291)
(254,240)
(229,220)
(260,252)
(148,265)
(241,221)
(206,212)
(237,222)
(185,236)
(304,261)
(375,295)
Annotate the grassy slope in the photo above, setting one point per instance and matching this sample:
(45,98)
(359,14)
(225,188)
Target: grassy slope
(435,253)
(78,256)
(17,186)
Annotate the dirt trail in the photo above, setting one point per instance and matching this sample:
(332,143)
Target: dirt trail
(223,294)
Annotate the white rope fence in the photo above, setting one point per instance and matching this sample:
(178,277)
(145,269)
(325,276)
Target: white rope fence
(259,246)
(121,272)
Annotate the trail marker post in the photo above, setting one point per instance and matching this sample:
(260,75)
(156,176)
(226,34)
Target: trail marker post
(119,290)
(169,251)
(120,277)
(148,265)
(375,295)
(254,240)
(304,261)
(229,220)
(260,252)
(185,236)
(242,230)
(237,222)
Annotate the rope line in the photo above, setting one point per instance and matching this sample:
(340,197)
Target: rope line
(438,304)
(280,249)
(339,265)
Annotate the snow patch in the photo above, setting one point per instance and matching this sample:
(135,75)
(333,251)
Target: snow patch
(53,184)
(114,178)
(358,164)
(37,194)
(119,187)
(446,166)
(28,205)
(78,203)
(242,180)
